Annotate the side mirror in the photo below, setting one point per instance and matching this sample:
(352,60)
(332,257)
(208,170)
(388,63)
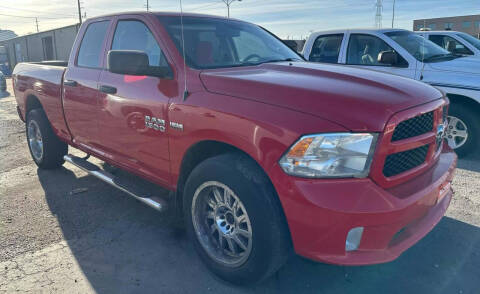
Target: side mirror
(388,57)
(127,62)
(133,62)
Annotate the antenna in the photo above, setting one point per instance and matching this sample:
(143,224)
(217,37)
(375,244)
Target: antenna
(423,52)
(185,91)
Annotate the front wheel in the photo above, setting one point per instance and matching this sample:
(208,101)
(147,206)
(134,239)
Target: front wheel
(234,218)
(463,129)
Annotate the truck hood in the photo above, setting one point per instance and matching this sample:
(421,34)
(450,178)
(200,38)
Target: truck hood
(463,73)
(461,65)
(357,99)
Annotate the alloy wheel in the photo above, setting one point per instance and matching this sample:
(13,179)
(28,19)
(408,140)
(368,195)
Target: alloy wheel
(35,140)
(221,224)
(456,133)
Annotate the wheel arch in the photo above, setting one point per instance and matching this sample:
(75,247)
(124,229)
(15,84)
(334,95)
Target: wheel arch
(32,102)
(203,150)
(464,100)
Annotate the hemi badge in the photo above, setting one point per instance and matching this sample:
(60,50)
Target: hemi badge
(177,126)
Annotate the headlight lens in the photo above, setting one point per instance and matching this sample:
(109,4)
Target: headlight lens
(330,155)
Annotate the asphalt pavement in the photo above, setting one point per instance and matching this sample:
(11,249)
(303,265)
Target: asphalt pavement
(62,231)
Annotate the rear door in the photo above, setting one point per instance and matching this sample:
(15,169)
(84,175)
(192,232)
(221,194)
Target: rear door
(133,111)
(363,50)
(80,87)
(326,49)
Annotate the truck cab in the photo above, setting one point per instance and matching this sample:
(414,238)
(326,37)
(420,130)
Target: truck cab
(407,54)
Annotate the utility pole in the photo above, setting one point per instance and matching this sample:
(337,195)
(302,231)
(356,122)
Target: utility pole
(378,15)
(148,6)
(393,13)
(36,22)
(79,12)
(228,3)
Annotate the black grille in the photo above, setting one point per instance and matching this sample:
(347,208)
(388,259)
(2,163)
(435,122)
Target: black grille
(398,163)
(413,127)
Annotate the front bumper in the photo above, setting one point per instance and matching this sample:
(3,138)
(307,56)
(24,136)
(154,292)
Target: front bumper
(320,213)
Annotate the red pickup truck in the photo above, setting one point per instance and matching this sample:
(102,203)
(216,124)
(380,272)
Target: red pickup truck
(264,154)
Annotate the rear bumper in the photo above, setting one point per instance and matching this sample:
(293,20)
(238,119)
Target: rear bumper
(320,213)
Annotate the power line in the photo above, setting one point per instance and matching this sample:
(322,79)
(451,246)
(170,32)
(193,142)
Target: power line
(29,10)
(24,16)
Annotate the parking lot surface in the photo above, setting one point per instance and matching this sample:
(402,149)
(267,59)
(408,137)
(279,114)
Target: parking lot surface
(64,231)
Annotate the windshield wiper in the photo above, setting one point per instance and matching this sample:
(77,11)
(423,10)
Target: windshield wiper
(281,60)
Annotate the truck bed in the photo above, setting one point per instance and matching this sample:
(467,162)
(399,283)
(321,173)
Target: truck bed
(42,80)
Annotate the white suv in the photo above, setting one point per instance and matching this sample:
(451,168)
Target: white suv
(454,42)
(405,53)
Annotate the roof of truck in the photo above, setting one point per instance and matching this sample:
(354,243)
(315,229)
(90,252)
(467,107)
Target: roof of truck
(163,13)
(341,31)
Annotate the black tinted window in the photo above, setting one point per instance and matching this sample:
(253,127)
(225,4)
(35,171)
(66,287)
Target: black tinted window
(326,49)
(91,47)
(134,35)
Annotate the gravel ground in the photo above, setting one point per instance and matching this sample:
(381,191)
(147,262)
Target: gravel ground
(64,231)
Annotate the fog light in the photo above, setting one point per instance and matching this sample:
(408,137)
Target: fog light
(354,237)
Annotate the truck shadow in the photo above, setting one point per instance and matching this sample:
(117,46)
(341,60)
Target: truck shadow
(470,162)
(123,246)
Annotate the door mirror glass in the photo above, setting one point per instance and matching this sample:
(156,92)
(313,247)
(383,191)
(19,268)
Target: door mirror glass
(387,57)
(128,62)
(134,62)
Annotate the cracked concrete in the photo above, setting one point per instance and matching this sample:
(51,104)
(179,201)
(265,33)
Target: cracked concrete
(102,241)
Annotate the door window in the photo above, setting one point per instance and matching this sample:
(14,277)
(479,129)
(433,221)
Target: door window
(326,49)
(91,47)
(134,35)
(450,44)
(365,50)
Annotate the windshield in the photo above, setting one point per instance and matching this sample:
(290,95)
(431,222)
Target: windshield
(421,48)
(472,40)
(218,43)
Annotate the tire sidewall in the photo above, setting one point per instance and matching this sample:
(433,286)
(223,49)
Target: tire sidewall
(36,116)
(254,193)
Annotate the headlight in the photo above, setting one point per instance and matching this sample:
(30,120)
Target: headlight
(330,155)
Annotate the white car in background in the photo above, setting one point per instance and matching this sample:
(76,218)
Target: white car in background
(454,42)
(407,54)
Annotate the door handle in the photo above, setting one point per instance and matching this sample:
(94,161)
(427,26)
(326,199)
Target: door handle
(70,83)
(108,89)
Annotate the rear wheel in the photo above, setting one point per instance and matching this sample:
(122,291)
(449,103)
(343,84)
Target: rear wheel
(45,147)
(463,129)
(234,218)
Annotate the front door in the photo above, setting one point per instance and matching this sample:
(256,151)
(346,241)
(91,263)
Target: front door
(80,88)
(134,109)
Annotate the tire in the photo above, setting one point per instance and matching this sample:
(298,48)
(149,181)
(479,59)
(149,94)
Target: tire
(469,118)
(270,243)
(52,149)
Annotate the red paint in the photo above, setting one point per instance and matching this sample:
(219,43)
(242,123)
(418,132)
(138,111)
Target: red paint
(261,110)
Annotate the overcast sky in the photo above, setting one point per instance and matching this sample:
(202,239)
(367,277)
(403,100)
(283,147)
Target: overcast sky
(286,18)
